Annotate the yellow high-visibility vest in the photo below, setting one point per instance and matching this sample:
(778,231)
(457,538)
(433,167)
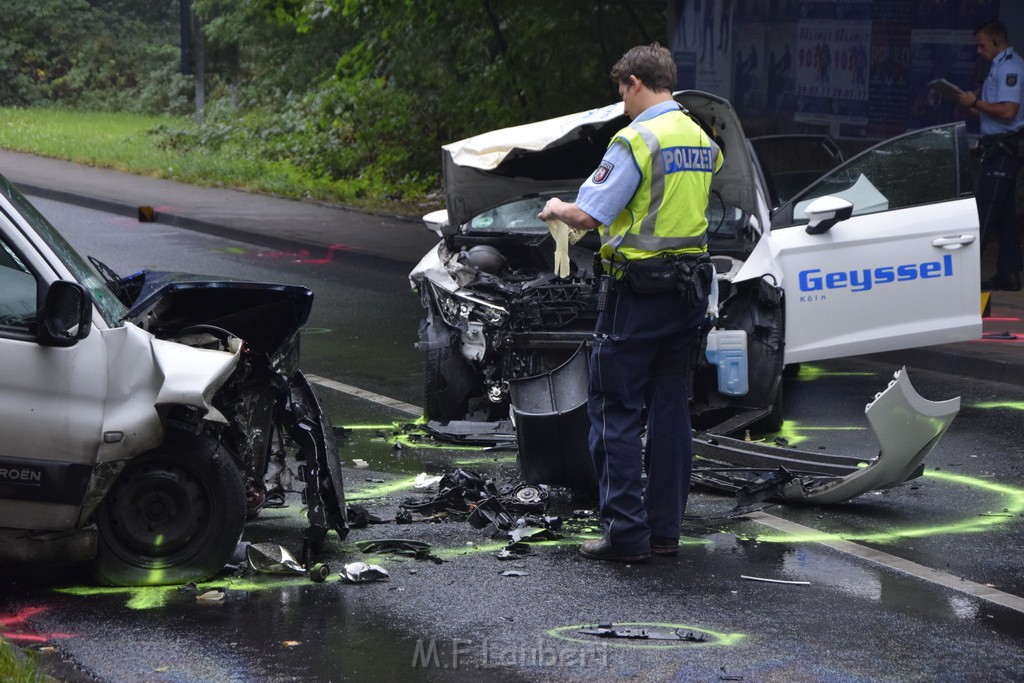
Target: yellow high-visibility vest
(666,215)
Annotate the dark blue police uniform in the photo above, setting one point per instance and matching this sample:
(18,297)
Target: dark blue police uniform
(999,166)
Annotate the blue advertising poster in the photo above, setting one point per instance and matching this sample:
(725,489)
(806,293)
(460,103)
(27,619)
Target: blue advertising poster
(857,68)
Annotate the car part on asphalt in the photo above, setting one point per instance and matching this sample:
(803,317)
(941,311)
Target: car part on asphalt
(905,425)
(608,630)
(270,558)
(360,572)
(400,546)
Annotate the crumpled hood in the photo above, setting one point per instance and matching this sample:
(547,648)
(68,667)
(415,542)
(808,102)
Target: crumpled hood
(558,154)
(143,373)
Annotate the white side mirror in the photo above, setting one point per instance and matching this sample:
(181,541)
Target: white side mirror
(824,212)
(437,221)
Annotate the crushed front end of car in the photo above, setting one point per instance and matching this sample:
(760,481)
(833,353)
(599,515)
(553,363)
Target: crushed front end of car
(496,312)
(503,336)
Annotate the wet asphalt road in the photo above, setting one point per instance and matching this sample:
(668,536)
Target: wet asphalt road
(857,619)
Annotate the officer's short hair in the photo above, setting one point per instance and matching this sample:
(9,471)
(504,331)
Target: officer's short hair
(993,29)
(652,64)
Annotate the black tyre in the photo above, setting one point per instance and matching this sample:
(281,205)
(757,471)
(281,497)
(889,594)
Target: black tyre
(448,384)
(174,515)
(772,422)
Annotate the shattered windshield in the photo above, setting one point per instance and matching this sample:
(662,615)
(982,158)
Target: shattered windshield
(112,310)
(516,217)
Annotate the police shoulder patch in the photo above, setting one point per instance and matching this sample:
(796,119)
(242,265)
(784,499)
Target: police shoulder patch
(602,172)
(1011,80)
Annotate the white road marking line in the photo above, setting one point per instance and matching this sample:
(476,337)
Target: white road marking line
(367,395)
(848,547)
(898,563)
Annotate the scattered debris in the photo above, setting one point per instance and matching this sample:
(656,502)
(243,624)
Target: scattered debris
(292,643)
(360,572)
(516,511)
(359,517)
(270,558)
(400,546)
(493,435)
(427,481)
(514,572)
(607,630)
(514,551)
(359,463)
(210,596)
(319,572)
(792,583)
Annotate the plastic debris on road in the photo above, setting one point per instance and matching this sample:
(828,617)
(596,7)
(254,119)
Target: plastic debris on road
(360,572)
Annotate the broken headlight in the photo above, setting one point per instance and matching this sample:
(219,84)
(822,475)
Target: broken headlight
(459,310)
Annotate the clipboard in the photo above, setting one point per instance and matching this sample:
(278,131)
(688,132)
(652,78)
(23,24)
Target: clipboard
(946,89)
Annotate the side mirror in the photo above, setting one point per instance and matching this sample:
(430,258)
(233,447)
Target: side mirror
(437,222)
(825,212)
(66,316)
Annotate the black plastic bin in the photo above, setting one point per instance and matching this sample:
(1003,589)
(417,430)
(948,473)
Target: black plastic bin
(550,413)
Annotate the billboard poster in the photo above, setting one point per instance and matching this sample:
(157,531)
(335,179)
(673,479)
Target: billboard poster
(858,68)
(887,82)
(832,71)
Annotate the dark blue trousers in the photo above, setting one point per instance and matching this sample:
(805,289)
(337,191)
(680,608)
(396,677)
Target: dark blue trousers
(997,209)
(641,358)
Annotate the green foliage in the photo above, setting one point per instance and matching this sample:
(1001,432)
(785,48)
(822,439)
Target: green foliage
(93,54)
(357,92)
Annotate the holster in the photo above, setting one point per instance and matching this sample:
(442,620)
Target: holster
(689,275)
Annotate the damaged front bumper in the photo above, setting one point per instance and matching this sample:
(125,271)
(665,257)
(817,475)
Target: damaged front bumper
(552,430)
(906,426)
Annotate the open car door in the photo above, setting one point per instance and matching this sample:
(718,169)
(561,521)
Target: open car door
(881,253)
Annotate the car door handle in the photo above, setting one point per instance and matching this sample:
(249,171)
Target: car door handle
(954,242)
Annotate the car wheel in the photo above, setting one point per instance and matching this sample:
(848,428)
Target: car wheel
(772,422)
(448,384)
(174,515)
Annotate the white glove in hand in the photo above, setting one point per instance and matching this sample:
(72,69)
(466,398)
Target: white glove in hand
(560,231)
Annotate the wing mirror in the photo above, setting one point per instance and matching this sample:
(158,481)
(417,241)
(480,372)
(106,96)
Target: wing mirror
(66,316)
(437,222)
(825,212)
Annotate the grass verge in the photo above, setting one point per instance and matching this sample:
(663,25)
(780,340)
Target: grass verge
(130,143)
(16,667)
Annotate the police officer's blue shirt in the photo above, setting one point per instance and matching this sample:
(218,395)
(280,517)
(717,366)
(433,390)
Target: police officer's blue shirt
(1003,84)
(605,193)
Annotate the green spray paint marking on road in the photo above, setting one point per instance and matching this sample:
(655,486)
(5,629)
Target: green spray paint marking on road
(406,441)
(714,638)
(1014,506)
(360,428)
(493,460)
(401,437)
(810,373)
(381,490)
(149,597)
(990,405)
(792,431)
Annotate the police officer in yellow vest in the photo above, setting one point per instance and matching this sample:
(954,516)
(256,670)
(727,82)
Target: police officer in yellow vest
(648,196)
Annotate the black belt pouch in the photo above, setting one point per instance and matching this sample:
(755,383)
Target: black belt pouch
(651,276)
